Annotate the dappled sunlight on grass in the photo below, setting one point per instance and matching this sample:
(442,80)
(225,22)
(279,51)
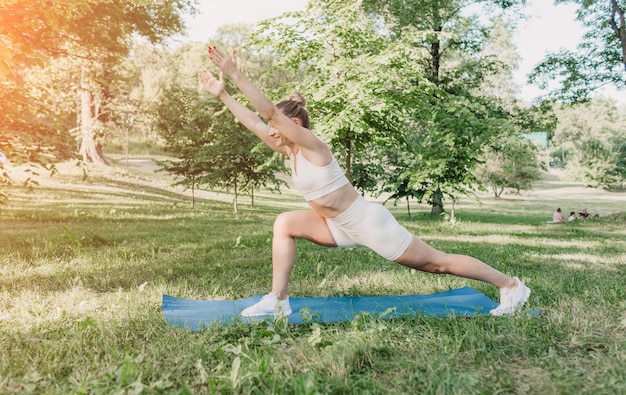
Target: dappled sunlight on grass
(592,321)
(76,305)
(502,239)
(476,228)
(126,188)
(371,282)
(30,308)
(43,267)
(581,261)
(390,279)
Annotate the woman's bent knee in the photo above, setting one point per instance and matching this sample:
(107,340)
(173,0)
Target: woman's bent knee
(283,223)
(282,220)
(303,224)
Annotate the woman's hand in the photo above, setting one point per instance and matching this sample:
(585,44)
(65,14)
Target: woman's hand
(226,64)
(213,85)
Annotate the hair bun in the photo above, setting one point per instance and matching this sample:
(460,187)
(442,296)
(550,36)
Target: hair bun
(297,98)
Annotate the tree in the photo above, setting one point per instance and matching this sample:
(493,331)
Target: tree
(595,163)
(447,147)
(182,121)
(498,80)
(599,60)
(212,150)
(96,34)
(141,81)
(592,134)
(464,118)
(357,83)
(618,144)
(395,180)
(511,163)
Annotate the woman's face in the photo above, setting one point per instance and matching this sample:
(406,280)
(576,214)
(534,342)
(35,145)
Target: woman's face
(278,138)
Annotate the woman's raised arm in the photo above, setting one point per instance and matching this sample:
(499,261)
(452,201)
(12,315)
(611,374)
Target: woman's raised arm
(264,106)
(247,118)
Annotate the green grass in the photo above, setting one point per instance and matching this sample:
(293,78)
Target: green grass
(84,265)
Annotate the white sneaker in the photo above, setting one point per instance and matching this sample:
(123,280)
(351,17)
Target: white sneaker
(268,305)
(511,299)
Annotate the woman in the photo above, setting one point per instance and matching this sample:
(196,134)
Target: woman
(557,216)
(340,216)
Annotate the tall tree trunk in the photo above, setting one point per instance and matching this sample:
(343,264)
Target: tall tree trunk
(618,24)
(437,204)
(435,52)
(408,206)
(90,148)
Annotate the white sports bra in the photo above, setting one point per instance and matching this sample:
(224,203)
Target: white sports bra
(313,181)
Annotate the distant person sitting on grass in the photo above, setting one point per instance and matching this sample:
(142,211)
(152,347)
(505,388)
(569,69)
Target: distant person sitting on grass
(557,216)
(572,216)
(583,214)
(340,216)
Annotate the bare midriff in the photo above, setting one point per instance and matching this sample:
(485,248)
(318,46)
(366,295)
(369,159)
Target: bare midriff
(336,202)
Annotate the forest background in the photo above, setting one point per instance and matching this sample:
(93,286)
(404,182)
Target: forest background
(416,99)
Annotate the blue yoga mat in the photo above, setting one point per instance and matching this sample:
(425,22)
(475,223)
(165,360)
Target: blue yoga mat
(464,302)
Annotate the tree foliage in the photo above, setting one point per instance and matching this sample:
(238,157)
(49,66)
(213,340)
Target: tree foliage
(92,36)
(510,163)
(599,60)
(595,162)
(468,107)
(590,138)
(32,32)
(213,151)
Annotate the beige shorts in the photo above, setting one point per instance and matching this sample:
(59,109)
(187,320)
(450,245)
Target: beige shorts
(370,225)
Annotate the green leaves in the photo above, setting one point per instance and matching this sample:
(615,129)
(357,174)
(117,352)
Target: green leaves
(589,142)
(510,163)
(47,49)
(600,59)
(397,86)
(358,83)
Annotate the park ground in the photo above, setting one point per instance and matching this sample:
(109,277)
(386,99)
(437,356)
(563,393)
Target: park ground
(85,261)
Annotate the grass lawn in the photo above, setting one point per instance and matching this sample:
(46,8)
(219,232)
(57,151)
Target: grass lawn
(84,264)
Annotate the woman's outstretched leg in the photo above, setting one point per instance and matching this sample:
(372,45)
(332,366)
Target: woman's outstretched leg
(421,256)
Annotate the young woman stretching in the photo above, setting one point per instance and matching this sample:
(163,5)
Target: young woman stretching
(341,217)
